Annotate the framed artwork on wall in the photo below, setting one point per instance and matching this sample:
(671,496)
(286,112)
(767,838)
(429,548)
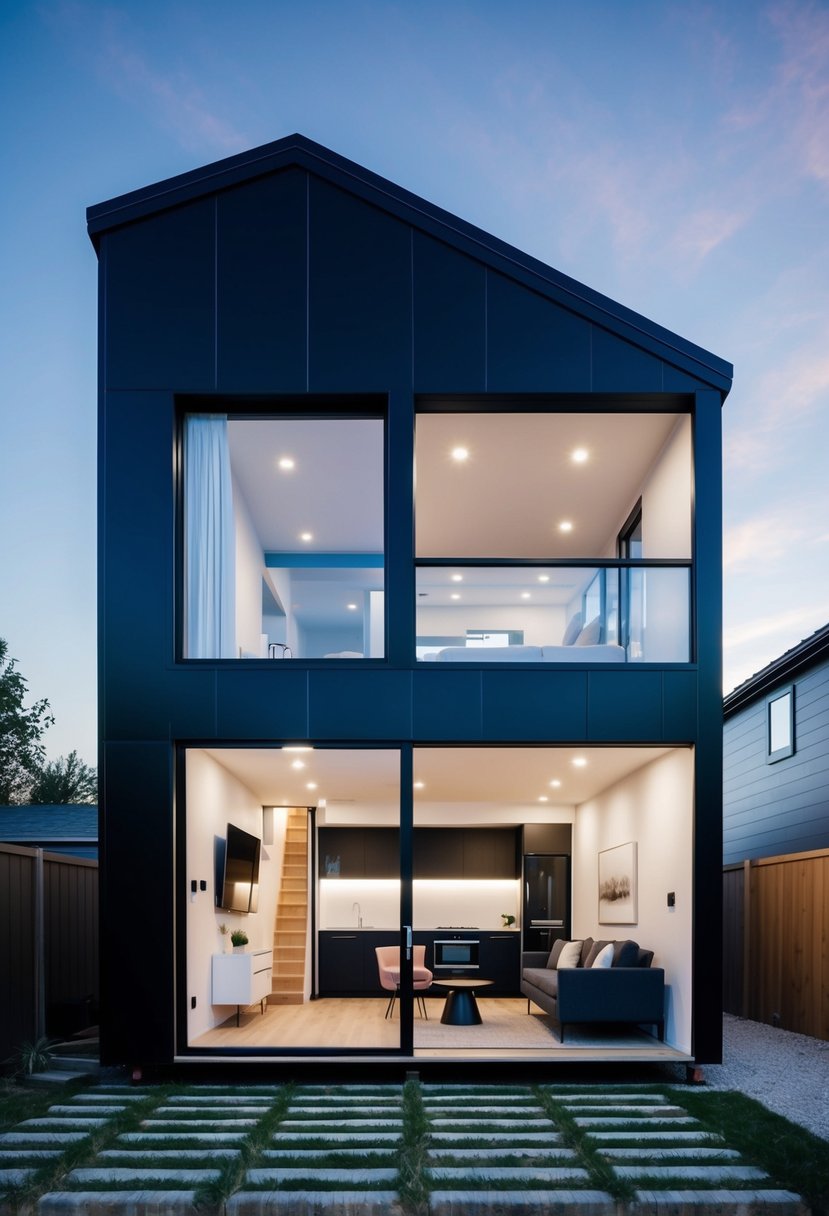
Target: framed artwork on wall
(617,885)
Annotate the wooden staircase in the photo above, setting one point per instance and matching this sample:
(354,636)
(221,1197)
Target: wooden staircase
(290,930)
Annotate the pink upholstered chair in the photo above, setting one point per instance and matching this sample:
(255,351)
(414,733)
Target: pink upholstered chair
(388,967)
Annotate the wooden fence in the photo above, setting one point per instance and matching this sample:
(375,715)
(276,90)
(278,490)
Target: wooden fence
(48,945)
(776,941)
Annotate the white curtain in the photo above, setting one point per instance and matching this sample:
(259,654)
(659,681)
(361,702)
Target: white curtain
(209,543)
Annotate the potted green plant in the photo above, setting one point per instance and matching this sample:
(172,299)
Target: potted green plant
(239,939)
(507,919)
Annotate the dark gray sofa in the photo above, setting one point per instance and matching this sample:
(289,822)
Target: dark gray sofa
(629,991)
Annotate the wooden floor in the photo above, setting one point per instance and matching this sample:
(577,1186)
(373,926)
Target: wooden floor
(356,1025)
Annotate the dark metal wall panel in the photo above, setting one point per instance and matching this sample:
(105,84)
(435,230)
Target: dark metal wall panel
(619,367)
(271,704)
(624,706)
(449,319)
(261,285)
(446,704)
(359,705)
(360,294)
(771,809)
(17,955)
(679,701)
(136,925)
(160,293)
(707,861)
(533,346)
(534,706)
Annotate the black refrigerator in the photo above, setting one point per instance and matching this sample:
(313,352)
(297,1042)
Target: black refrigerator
(546,899)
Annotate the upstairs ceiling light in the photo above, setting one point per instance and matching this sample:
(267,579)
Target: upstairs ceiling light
(306,536)
(286,463)
(566,525)
(579,455)
(460,454)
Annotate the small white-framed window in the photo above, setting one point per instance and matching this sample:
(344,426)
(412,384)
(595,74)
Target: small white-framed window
(780,725)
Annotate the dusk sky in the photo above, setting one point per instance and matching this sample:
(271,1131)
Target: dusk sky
(674,156)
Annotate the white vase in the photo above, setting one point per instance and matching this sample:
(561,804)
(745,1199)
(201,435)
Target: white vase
(239,949)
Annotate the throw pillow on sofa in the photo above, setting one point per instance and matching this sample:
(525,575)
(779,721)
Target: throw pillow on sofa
(595,951)
(605,957)
(626,954)
(564,955)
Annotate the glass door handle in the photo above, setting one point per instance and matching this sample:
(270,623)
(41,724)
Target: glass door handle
(408,932)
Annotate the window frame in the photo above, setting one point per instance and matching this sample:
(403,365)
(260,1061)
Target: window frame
(773,755)
(237,407)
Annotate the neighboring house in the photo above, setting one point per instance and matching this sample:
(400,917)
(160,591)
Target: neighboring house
(61,828)
(409,600)
(776,840)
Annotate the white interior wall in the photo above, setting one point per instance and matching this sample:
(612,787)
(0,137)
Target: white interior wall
(667,497)
(214,799)
(654,808)
(279,580)
(250,561)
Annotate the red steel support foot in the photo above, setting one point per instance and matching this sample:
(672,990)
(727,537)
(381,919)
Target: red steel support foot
(694,1074)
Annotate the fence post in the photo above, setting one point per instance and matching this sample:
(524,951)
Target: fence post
(746,995)
(40,948)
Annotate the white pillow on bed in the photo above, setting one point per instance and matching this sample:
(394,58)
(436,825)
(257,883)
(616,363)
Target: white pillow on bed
(572,631)
(591,635)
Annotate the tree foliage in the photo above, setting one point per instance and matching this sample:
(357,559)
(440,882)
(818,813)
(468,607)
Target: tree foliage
(21,730)
(66,779)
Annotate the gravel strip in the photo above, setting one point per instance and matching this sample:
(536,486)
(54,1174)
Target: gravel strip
(788,1073)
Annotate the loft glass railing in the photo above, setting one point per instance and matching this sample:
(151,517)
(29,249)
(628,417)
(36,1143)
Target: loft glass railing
(587,612)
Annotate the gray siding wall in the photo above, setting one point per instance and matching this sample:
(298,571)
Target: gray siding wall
(771,809)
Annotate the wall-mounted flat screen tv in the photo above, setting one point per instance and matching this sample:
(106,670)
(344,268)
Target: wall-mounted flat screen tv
(240,877)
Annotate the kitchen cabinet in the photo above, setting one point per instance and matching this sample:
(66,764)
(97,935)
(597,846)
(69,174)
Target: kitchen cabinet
(465,853)
(438,853)
(359,852)
(347,962)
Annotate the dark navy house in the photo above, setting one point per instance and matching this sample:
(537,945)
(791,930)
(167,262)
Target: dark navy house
(410,581)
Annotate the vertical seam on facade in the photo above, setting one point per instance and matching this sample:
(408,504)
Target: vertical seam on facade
(486,329)
(307,282)
(216,293)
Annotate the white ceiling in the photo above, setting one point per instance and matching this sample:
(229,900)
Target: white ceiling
(484,775)
(519,482)
(334,491)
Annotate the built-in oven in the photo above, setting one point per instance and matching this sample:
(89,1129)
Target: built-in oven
(456,955)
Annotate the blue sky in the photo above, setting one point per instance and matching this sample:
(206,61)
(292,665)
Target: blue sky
(674,156)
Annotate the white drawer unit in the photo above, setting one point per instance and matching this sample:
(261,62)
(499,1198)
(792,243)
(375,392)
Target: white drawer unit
(242,979)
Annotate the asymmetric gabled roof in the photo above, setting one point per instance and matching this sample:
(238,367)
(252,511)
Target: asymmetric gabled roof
(295,151)
(811,650)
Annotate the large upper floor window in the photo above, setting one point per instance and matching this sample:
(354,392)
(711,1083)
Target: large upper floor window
(546,536)
(283,537)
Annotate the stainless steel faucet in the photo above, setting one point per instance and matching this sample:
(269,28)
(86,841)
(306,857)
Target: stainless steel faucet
(355,907)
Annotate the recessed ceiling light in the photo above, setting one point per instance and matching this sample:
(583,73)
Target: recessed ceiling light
(351,607)
(579,762)
(543,798)
(286,463)
(579,455)
(457,578)
(555,784)
(525,595)
(454,596)
(306,536)
(460,454)
(419,785)
(311,785)
(297,747)
(297,764)
(566,525)
(544,578)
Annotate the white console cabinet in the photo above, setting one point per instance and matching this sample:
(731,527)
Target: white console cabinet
(242,979)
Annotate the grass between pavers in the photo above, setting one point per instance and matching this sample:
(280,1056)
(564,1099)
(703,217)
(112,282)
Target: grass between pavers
(791,1157)
(51,1175)
(19,1102)
(794,1157)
